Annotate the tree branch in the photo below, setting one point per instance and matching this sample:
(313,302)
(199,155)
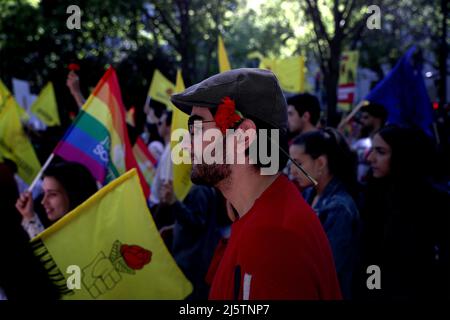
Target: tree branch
(357,27)
(314,11)
(337,18)
(167,23)
(348,10)
(172,43)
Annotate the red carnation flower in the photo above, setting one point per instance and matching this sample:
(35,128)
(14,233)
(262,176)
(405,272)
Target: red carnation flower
(135,257)
(74,67)
(226,116)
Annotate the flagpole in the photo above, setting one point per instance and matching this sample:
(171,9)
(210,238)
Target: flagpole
(352,114)
(39,175)
(305,173)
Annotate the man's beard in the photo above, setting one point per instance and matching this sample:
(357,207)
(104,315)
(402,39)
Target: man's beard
(210,174)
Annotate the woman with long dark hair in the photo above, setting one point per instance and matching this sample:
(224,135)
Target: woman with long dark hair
(326,156)
(22,276)
(405,218)
(66,185)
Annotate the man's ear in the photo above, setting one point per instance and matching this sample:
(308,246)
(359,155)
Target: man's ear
(306,116)
(247,131)
(247,124)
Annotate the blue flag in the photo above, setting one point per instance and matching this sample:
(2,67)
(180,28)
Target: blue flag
(402,92)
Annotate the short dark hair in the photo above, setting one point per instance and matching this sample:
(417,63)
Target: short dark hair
(168,118)
(158,107)
(376,110)
(76,180)
(306,102)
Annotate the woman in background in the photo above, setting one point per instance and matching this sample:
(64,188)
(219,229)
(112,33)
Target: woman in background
(325,155)
(406,224)
(66,185)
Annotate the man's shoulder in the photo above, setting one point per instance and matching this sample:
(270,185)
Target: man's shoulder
(291,201)
(287,192)
(282,209)
(285,202)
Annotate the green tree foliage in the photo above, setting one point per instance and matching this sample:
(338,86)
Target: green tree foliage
(138,36)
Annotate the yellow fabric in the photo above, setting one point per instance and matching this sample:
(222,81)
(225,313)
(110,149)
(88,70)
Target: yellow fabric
(45,107)
(161,89)
(290,72)
(91,237)
(224,64)
(4,94)
(181,172)
(14,143)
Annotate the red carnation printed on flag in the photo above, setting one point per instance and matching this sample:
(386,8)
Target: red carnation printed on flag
(226,116)
(129,258)
(74,67)
(135,256)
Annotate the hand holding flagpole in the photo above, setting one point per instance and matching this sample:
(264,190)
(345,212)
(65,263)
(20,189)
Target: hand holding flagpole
(39,175)
(352,114)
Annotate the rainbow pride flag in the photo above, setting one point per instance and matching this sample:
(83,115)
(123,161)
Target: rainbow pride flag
(98,137)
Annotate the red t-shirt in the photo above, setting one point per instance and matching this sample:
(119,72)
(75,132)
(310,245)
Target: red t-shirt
(278,250)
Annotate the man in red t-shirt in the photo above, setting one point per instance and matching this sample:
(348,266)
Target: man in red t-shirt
(277,248)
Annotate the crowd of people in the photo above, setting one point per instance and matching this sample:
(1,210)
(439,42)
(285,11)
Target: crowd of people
(373,198)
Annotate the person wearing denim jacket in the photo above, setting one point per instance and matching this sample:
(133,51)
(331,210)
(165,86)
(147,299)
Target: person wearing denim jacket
(326,156)
(339,216)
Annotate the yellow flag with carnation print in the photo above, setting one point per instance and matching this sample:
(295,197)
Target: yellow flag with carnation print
(112,242)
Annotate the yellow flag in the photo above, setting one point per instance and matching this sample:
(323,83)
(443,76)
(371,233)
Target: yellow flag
(161,89)
(181,172)
(224,64)
(267,63)
(113,245)
(45,107)
(14,143)
(290,72)
(255,55)
(347,79)
(4,94)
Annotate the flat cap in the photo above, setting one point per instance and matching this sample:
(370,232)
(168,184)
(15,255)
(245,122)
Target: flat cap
(256,93)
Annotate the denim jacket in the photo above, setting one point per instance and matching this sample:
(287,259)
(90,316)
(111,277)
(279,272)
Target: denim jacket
(340,219)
